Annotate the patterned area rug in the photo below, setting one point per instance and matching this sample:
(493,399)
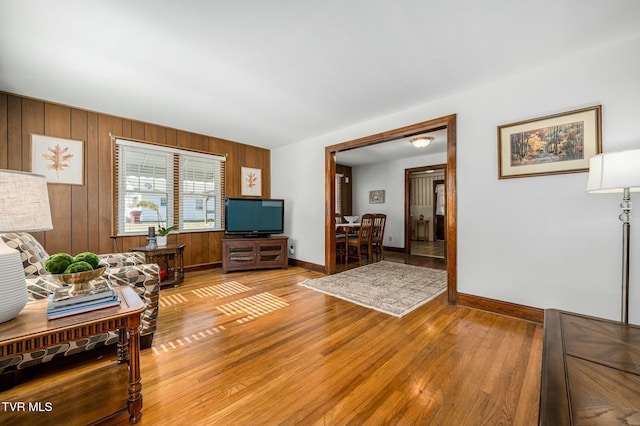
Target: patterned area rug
(389,287)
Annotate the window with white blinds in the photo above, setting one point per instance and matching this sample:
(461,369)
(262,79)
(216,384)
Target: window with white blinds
(339,178)
(186,187)
(201,202)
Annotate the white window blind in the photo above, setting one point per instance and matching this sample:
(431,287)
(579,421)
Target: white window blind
(175,180)
(201,202)
(339,178)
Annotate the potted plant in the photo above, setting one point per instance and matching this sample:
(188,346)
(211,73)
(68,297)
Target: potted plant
(134,212)
(162,231)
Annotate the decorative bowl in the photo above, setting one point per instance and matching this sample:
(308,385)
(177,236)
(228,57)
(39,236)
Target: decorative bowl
(351,219)
(80,281)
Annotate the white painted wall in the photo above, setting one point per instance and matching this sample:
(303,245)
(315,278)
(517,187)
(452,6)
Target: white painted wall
(390,177)
(539,241)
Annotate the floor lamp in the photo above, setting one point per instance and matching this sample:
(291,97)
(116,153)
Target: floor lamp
(24,206)
(618,172)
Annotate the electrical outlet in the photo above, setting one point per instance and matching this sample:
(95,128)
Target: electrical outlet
(390,237)
(292,250)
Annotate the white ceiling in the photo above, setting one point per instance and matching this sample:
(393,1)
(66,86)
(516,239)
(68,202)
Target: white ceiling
(270,73)
(393,150)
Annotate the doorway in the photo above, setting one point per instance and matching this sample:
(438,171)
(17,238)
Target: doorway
(426,202)
(450,224)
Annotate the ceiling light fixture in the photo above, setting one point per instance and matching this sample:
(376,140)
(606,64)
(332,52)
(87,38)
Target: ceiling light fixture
(422,141)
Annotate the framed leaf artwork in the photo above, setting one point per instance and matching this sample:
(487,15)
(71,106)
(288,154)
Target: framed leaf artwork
(251,182)
(59,160)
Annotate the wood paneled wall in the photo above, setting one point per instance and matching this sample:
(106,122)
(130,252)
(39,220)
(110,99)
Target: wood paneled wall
(83,215)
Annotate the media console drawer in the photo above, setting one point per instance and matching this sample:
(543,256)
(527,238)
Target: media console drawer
(254,253)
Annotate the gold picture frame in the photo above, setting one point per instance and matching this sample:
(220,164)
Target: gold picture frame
(554,144)
(59,160)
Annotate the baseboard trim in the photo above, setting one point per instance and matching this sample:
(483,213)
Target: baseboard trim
(394,249)
(500,307)
(202,266)
(292,262)
(308,265)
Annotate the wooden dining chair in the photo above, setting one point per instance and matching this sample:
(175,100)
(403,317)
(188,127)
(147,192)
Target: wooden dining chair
(377,235)
(363,239)
(341,239)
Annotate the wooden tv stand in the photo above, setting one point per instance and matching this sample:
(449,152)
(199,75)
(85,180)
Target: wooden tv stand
(239,254)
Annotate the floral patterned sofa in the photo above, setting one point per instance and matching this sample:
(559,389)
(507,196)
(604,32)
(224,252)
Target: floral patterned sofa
(124,269)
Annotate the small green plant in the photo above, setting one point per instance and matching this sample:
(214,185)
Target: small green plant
(64,263)
(162,231)
(79,266)
(58,263)
(91,258)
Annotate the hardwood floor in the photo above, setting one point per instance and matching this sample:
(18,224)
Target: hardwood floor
(428,248)
(256,348)
(394,256)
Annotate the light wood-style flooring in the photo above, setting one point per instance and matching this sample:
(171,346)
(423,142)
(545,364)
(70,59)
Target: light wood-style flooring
(428,248)
(393,256)
(252,348)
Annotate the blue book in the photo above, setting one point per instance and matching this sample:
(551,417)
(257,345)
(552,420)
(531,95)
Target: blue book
(86,307)
(61,298)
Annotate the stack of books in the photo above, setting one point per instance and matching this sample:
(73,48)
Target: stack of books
(62,304)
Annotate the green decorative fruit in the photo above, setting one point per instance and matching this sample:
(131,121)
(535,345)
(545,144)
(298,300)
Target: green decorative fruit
(78,267)
(58,263)
(91,258)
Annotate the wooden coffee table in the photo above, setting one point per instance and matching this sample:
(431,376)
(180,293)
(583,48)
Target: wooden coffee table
(31,331)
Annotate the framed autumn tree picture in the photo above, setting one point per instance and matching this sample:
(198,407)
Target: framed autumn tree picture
(59,160)
(559,143)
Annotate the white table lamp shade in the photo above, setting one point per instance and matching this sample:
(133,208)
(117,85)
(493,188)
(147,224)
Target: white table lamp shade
(24,206)
(24,202)
(614,171)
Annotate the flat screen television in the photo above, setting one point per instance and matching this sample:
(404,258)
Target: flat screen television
(253,217)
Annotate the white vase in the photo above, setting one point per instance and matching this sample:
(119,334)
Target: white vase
(14,287)
(161,240)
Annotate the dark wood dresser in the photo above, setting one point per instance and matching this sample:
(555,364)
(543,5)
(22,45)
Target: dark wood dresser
(590,371)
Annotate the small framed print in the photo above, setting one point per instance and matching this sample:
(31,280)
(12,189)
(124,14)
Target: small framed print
(59,160)
(376,197)
(251,182)
(560,143)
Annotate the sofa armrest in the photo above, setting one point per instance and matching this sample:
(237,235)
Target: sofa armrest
(118,260)
(146,282)
(144,278)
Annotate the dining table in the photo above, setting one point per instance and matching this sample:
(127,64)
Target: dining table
(348,227)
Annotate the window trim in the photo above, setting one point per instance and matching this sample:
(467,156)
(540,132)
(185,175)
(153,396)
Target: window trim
(173,187)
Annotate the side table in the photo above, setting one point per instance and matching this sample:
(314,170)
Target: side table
(170,258)
(31,330)
(590,371)
(416,229)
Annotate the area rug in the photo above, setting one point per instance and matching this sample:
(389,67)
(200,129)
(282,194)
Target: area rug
(393,288)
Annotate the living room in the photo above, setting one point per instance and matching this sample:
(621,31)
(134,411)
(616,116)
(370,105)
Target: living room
(538,242)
